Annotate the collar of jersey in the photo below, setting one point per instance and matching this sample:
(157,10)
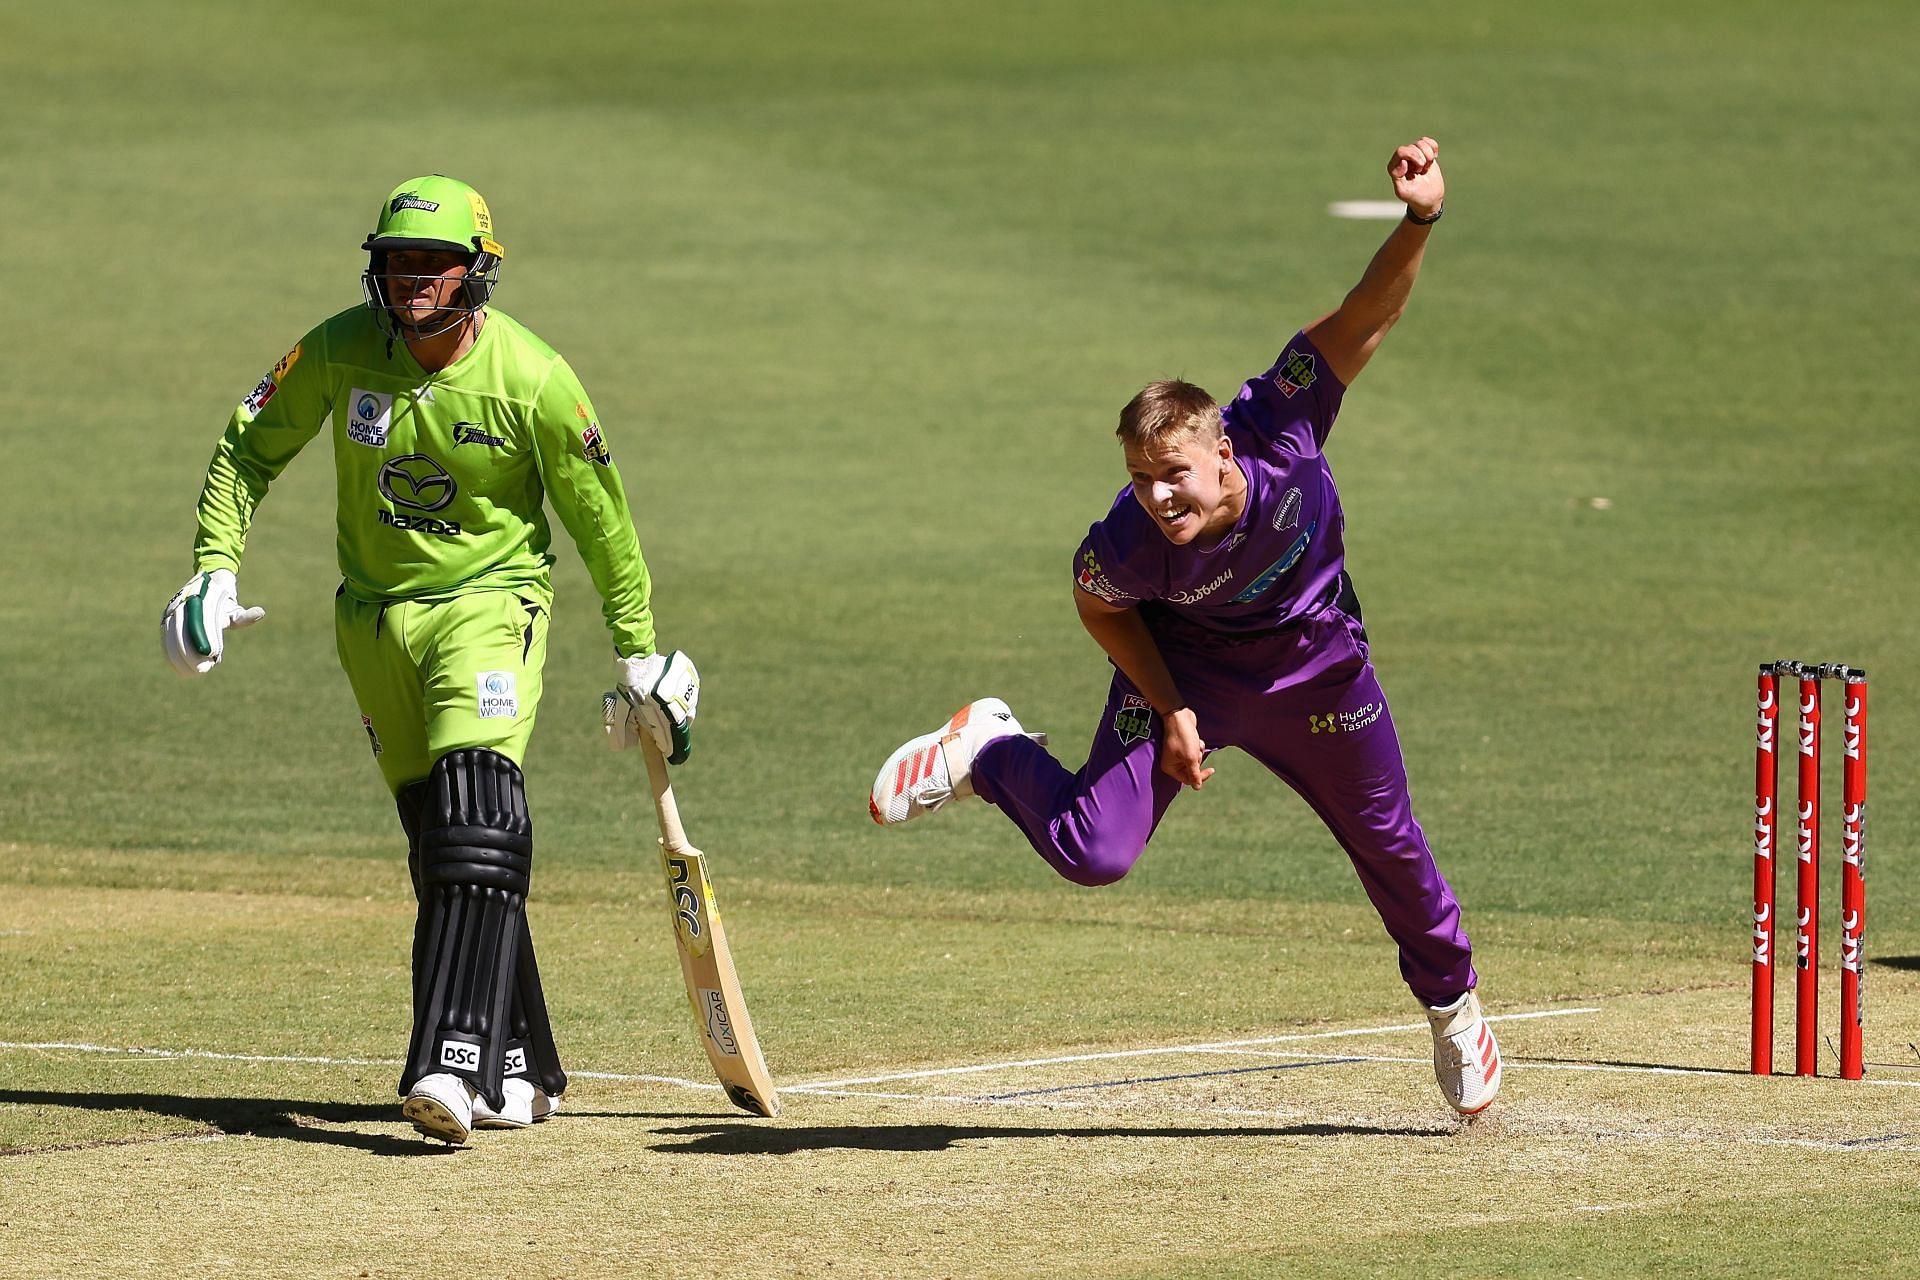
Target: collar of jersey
(1246,511)
(440,374)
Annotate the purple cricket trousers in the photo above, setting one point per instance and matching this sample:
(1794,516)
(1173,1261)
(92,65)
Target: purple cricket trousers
(1304,702)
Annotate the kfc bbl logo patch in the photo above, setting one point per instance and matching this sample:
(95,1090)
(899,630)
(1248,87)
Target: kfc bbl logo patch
(594,445)
(1134,720)
(1295,373)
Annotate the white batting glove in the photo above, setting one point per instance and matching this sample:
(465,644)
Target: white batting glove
(658,695)
(193,629)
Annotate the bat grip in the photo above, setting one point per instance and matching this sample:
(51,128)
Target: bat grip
(672,834)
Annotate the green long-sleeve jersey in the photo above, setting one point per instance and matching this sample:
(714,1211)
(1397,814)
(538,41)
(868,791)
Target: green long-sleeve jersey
(441,476)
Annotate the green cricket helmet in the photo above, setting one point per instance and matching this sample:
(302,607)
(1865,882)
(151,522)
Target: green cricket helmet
(434,212)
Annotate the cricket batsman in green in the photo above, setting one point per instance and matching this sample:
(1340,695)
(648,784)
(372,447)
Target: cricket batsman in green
(450,423)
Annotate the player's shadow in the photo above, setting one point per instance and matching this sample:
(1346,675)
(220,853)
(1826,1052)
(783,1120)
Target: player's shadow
(735,1138)
(292,1119)
(1908,963)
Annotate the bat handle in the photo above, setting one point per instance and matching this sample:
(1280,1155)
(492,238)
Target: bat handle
(672,834)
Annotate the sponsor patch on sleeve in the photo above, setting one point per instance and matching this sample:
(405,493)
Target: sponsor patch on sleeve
(594,445)
(264,390)
(257,398)
(1294,372)
(1095,582)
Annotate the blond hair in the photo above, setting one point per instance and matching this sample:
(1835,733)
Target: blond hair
(1166,411)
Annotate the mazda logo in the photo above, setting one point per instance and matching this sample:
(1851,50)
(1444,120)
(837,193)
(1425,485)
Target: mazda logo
(417,481)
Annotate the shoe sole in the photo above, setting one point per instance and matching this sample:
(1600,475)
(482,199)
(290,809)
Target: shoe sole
(433,1120)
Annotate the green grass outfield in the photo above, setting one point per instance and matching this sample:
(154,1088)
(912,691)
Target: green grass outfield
(858,291)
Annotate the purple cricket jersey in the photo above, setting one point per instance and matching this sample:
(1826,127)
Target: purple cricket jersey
(1271,660)
(1282,560)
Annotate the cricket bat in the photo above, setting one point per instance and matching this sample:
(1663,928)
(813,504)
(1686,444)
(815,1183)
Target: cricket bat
(706,962)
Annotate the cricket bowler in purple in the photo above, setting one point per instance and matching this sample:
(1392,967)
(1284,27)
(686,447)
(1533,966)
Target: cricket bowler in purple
(1217,586)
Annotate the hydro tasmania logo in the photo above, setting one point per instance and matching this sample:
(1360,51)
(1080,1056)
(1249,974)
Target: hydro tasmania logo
(1094,581)
(1347,721)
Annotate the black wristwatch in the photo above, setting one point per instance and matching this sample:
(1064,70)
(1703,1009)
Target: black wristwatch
(1430,219)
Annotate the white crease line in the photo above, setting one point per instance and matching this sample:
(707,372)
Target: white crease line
(144,1052)
(1110,1055)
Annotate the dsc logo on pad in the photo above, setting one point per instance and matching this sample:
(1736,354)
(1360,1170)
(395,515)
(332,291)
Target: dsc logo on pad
(459,1055)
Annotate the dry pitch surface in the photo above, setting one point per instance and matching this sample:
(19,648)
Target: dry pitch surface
(1623,1129)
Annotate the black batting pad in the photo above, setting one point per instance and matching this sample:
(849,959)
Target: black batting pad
(475,854)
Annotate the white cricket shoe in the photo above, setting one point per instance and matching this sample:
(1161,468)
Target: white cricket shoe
(1466,1057)
(441,1106)
(936,767)
(524,1104)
